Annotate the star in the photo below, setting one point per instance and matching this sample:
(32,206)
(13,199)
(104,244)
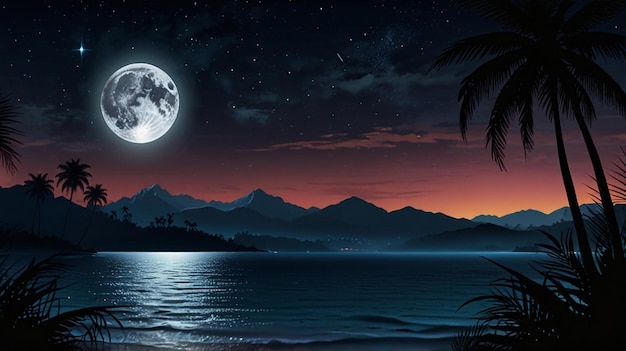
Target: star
(81,50)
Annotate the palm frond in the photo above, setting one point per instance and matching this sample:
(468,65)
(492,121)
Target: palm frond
(619,176)
(593,44)
(9,157)
(483,81)
(511,99)
(480,46)
(471,338)
(598,82)
(29,310)
(575,100)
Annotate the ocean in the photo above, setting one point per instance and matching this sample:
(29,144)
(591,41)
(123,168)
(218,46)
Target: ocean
(196,300)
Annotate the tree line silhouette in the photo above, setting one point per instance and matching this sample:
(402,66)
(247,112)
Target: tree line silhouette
(73,177)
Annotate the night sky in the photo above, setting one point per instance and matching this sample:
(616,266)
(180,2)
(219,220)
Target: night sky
(313,101)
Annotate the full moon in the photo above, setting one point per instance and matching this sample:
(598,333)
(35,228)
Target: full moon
(139,103)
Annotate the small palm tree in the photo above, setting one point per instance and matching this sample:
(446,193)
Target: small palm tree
(9,157)
(113,215)
(73,176)
(30,317)
(191,226)
(544,57)
(126,215)
(170,220)
(95,196)
(38,187)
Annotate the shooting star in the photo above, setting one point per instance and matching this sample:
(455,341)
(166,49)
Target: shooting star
(340,58)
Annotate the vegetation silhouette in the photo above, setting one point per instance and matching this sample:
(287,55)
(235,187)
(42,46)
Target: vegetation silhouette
(73,176)
(30,317)
(125,214)
(95,196)
(546,56)
(39,187)
(191,226)
(9,157)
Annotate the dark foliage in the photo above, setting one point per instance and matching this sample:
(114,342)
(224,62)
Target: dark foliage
(9,157)
(29,311)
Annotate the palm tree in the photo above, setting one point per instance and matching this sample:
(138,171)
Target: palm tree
(94,196)
(126,215)
(73,176)
(38,187)
(564,310)
(544,57)
(9,157)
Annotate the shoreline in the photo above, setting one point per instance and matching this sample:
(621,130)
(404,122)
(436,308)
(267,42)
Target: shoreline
(386,344)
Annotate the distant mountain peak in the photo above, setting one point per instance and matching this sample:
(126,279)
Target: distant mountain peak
(156,187)
(352,200)
(259,191)
(263,203)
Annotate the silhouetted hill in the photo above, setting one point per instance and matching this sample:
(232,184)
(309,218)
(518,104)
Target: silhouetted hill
(411,221)
(273,243)
(228,223)
(484,237)
(25,242)
(94,229)
(350,224)
(354,211)
(528,219)
(268,205)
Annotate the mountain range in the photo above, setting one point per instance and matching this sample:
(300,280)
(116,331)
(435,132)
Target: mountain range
(529,219)
(261,213)
(351,223)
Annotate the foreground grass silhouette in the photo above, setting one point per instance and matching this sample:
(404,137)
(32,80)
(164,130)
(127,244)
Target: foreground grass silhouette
(30,317)
(575,306)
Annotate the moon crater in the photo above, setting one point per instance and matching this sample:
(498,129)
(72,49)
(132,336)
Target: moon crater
(139,102)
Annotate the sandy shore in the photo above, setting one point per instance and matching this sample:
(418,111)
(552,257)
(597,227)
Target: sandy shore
(347,345)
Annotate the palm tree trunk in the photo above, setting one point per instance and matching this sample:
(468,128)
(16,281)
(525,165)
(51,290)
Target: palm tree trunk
(39,221)
(570,190)
(32,225)
(69,205)
(603,190)
(93,211)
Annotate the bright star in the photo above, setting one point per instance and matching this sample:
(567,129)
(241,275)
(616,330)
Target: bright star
(81,50)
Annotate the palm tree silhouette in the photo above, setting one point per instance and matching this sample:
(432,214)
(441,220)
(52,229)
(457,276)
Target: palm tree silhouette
(545,57)
(73,176)
(126,215)
(9,157)
(38,187)
(94,196)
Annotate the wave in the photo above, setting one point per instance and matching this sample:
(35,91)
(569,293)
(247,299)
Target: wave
(382,320)
(347,344)
(181,338)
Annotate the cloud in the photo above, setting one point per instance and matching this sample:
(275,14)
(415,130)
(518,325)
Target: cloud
(371,190)
(245,115)
(50,122)
(378,138)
